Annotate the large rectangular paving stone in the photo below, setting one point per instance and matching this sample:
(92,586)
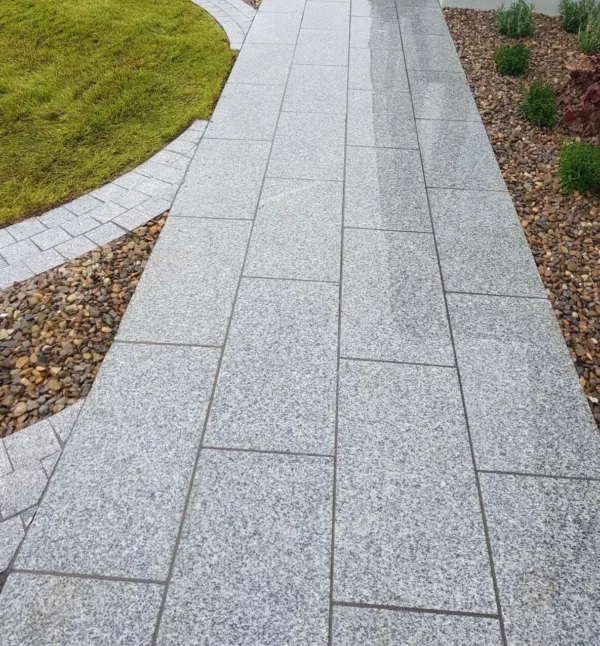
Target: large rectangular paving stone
(527,411)
(545,537)
(316,88)
(254,561)
(375,33)
(409,530)
(224,180)
(298,231)
(115,501)
(262,64)
(322,47)
(39,610)
(430,52)
(481,244)
(326,15)
(442,95)
(276,388)
(373,627)
(276,28)
(187,290)
(392,301)
(381,69)
(385,189)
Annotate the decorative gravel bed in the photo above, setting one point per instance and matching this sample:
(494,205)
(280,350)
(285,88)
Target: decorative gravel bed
(563,230)
(56,328)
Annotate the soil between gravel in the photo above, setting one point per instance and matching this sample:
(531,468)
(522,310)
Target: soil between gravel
(56,328)
(563,231)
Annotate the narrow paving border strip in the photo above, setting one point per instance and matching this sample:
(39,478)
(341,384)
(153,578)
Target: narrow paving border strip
(35,245)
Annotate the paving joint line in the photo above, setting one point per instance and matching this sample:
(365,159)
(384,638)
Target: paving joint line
(401,363)
(526,474)
(426,611)
(235,449)
(91,577)
(165,343)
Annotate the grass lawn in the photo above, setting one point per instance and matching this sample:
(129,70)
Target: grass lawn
(91,88)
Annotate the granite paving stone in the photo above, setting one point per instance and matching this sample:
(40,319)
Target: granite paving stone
(372,627)
(308,146)
(18,251)
(326,15)
(316,88)
(21,489)
(527,411)
(105,233)
(75,247)
(298,231)
(49,462)
(417,3)
(186,293)
(277,28)
(385,189)
(165,172)
(108,211)
(458,154)
(14,272)
(157,188)
(26,229)
(545,537)
(135,218)
(377,70)
(153,207)
(30,445)
(445,98)
(246,112)
(83,204)
(282,6)
(125,197)
(38,610)
(409,530)
(263,64)
(79,225)
(224,180)
(392,302)
(322,47)
(28,515)
(56,217)
(11,534)
(115,502)
(5,465)
(50,237)
(63,422)
(254,554)
(430,52)
(5,238)
(374,33)
(481,244)
(422,20)
(385,10)
(43,261)
(276,388)
(383,119)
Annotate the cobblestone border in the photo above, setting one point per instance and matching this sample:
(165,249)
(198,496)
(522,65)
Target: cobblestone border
(38,244)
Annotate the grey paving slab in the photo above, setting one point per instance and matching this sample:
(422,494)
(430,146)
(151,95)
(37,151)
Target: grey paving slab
(380,69)
(154,207)
(26,229)
(49,462)
(108,211)
(381,119)
(385,10)
(167,173)
(30,445)
(5,465)
(481,244)
(422,20)
(133,219)
(13,273)
(246,112)
(430,52)
(263,64)
(106,233)
(408,526)
(82,204)
(43,261)
(38,610)
(458,154)
(75,247)
(28,515)
(435,76)
(115,501)
(308,146)
(187,290)
(50,237)
(545,537)
(158,188)
(11,534)
(253,564)
(276,388)
(326,15)
(21,489)
(126,197)
(224,180)
(385,189)
(322,47)
(371,627)
(19,251)
(375,33)
(5,238)
(278,28)
(56,217)
(317,88)
(63,422)
(526,409)
(392,302)
(282,6)
(418,3)
(298,231)
(435,98)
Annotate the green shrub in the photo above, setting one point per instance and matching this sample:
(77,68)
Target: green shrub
(512,60)
(539,106)
(588,38)
(579,167)
(574,14)
(517,20)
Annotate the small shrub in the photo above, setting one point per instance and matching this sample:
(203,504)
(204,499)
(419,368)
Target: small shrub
(588,38)
(539,106)
(574,14)
(579,166)
(512,60)
(517,20)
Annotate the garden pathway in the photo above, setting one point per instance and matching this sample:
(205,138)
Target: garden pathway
(340,410)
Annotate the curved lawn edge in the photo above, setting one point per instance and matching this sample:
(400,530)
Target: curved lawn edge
(37,244)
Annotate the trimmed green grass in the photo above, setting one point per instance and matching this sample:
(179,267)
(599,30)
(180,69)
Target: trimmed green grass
(91,88)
